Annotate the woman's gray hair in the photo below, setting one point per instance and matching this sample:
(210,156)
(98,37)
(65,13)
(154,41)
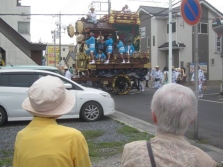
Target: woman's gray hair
(175,107)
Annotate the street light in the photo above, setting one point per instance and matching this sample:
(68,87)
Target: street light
(58,24)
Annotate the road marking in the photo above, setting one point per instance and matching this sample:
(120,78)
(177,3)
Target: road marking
(211,101)
(211,94)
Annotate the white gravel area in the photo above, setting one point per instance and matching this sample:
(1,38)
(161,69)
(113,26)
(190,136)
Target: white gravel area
(107,125)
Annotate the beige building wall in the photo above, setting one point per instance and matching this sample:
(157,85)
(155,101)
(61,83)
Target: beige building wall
(215,70)
(14,55)
(10,7)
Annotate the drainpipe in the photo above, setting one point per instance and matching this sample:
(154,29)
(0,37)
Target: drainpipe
(177,36)
(176,31)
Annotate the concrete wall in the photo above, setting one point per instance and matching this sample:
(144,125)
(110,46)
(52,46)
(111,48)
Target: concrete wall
(145,22)
(185,54)
(160,40)
(10,7)
(14,55)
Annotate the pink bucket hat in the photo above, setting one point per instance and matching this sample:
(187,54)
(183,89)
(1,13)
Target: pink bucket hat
(47,97)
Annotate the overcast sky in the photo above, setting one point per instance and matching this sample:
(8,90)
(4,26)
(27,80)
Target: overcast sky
(41,26)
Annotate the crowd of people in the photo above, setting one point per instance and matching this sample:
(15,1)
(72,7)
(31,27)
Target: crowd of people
(179,76)
(100,49)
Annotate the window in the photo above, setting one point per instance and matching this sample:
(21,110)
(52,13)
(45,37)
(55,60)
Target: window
(212,62)
(24,27)
(17,80)
(143,32)
(173,27)
(148,42)
(153,40)
(182,64)
(202,28)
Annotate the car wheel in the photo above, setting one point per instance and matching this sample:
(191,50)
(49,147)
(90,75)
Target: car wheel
(3,116)
(91,111)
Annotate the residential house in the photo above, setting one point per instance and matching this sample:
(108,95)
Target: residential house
(15,45)
(155,39)
(71,57)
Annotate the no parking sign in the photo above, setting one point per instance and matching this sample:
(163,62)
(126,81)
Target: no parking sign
(191,11)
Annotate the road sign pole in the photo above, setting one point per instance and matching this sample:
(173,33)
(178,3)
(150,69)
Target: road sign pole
(170,42)
(196,77)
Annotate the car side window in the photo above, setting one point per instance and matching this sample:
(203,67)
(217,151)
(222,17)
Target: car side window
(17,80)
(74,86)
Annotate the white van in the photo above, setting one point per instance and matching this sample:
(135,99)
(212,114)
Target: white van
(34,67)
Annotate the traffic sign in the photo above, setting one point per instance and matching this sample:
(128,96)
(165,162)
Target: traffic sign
(190,11)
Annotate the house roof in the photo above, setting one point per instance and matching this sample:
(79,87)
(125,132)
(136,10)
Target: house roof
(212,8)
(175,45)
(158,11)
(71,55)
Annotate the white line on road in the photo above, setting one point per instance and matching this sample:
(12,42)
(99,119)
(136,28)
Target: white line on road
(211,101)
(211,94)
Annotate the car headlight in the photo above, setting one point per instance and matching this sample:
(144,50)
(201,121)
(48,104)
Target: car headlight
(105,95)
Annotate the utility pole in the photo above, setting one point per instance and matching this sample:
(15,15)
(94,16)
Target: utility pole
(54,41)
(170,42)
(109,6)
(196,76)
(60,39)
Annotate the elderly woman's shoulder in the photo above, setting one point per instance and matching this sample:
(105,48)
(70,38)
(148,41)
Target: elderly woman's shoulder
(136,144)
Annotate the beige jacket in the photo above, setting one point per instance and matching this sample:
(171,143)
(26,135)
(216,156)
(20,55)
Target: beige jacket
(169,151)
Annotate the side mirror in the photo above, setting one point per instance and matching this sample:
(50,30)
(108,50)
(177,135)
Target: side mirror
(67,86)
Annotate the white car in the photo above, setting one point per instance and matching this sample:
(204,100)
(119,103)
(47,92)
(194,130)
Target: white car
(91,104)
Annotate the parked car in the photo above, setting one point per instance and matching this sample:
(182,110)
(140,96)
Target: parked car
(91,104)
(33,67)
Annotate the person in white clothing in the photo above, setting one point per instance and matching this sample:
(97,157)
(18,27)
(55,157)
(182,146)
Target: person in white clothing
(67,73)
(157,78)
(92,16)
(174,75)
(147,79)
(126,9)
(201,81)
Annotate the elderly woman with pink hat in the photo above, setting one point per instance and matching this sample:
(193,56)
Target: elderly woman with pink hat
(43,142)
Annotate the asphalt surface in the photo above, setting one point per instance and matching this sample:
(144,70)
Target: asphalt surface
(210,113)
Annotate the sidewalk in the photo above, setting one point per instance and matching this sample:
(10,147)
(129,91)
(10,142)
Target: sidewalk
(143,126)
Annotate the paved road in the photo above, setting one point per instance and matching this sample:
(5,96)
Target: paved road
(210,118)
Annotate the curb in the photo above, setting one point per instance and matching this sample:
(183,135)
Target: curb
(143,126)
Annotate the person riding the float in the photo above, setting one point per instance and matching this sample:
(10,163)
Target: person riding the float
(92,16)
(100,55)
(129,50)
(91,43)
(101,44)
(121,49)
(109,43)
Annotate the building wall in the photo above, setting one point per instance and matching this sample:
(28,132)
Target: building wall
(14,55)
(145,22)
(184,35)
(160,37)
(10,7)
(216,69)
(70,62)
